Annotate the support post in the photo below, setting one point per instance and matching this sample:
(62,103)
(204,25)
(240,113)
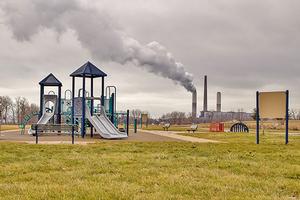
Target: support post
(83,108)
(127,122)
(112,108)
(41,101)
(59,106)
(102,92)
(287,119)
(257,117)
(135,125)
(36,134)
(73,107)
(92,105)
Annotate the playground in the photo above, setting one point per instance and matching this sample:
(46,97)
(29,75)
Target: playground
(83,147)
(80,109)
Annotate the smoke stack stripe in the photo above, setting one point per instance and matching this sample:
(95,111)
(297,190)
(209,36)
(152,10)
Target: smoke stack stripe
(205,95)
(219,102)
(194,105)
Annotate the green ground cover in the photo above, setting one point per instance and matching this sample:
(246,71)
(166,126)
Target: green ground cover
(237,169)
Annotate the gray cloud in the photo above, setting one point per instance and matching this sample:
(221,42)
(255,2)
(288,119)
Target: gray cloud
(243,46)
(96,32)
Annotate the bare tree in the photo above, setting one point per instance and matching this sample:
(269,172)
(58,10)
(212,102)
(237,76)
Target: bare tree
(293,114)
(136,113)
(34,108)
(6,105)
(12,112)
(23,108)
(17,109)
(254,113)
(174,117)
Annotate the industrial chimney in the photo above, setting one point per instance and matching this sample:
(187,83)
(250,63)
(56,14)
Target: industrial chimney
(194,105)
(205,95)
(218,101)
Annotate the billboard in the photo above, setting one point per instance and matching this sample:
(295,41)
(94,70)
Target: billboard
(272,105)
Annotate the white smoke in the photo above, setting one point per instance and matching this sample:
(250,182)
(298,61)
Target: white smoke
(96,32)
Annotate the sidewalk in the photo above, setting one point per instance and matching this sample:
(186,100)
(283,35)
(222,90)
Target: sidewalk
(172,134)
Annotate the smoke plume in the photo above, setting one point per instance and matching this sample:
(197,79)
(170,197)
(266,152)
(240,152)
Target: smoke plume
(96,32)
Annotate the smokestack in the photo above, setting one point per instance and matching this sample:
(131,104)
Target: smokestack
(205,95)
(219,102)
(194,105)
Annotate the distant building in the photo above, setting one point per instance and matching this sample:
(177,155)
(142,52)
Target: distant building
(214,116)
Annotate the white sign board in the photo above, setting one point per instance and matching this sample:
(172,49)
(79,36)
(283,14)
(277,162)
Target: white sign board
(272,105)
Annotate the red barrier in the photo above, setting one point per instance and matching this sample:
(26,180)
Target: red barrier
(216,127)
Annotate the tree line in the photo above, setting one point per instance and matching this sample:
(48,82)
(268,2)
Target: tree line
(13,111)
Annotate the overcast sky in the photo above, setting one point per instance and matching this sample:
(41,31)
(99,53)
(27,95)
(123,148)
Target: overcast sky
(242,45)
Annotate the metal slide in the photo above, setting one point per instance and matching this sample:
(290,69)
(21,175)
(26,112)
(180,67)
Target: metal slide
(103,125)
(47,113)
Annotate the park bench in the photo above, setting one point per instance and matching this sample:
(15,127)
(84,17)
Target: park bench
(59,129)
(54,128)
(166,126)
(193,128)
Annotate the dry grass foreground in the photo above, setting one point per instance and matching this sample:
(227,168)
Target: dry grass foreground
(238,169)
(4,127)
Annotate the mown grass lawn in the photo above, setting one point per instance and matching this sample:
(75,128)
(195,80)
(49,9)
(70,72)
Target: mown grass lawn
(4,127)
(238,169)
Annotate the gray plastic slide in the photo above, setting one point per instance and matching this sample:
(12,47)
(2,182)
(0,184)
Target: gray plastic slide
(103,125)
(46,114)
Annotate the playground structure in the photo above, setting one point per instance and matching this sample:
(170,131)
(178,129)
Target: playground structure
(81,110)
(216,127)
(239,128)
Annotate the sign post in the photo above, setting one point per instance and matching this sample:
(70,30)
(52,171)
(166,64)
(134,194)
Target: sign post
(287,118)
(272,105)
(257,117)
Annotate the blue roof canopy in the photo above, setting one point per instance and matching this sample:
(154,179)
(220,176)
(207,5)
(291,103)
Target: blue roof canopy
(50,80)
(88,70)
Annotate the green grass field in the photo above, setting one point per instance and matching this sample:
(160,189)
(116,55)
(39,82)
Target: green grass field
(8,127)
(238,169)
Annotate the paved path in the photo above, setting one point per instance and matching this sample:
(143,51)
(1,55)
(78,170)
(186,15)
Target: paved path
(141,136)
(15,136)
(172,134)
